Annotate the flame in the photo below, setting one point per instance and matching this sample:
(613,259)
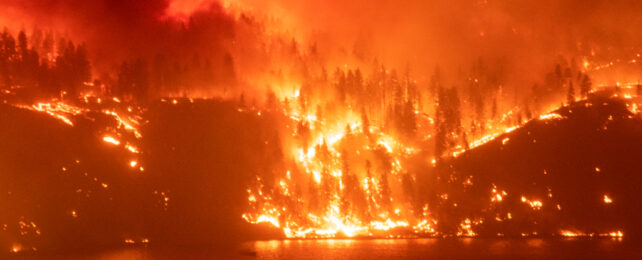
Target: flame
(57,110)
(534,204)
(550,116)
(568,233)
(356,197)
(617,233)
(111,140)
(131,148)
(322,162)
(15,248)
(496,195)
(329,158)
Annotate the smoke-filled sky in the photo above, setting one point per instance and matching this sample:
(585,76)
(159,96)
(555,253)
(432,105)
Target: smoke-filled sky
(116,30)
(454,32)
(523,33)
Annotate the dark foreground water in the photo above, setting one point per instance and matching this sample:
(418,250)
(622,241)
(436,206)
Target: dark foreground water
(461,248)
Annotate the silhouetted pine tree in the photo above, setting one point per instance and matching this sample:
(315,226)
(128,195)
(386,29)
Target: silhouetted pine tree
(585,86)
(570,96)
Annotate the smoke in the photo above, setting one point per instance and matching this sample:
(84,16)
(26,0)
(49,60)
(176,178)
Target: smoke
(525,37)
(117,30)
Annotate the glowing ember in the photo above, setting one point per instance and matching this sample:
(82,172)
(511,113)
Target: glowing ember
(15,248)
(535,204)
(131,149)
(550,116)
(111,140)
(616,234)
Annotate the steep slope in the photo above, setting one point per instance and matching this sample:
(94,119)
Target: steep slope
(574,172)
(183,183)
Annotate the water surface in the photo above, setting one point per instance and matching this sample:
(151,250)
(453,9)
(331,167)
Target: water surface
(380,249)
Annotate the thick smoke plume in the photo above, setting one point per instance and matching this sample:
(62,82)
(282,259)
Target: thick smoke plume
(527,35)
(118,30)
(521,38)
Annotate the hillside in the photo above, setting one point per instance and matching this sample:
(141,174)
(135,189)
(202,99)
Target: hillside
(182,183)
(574,172)
(578,173)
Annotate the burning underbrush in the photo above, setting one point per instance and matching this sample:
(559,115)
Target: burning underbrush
(575,174)
(190,171)
(556,175)
(100,173)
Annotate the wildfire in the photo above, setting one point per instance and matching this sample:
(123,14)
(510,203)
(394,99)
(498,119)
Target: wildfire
(373,158)
(347,170)
(336,184)
(568,233)
(15,248)
(550,116)
(349,198)
(465,228)
(57,110)
(333,180)
(614,234)
(535,204)
(111,140)
(497,196)
(131,149)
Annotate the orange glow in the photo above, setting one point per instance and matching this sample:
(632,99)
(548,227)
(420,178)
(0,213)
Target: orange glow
(131,149)
(322,160)
(15,248)
(534,204)
(351,133)
(616,234)
(550,116)
(182,9)
(111,140)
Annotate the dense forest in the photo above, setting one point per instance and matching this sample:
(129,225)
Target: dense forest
(46,65)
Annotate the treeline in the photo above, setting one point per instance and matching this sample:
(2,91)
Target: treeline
(454,113)
(402,106)
(566,78)
(141,80)
(46,65)
(43,65)
(391,100)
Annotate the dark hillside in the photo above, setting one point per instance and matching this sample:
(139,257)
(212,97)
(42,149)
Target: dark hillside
(593,150)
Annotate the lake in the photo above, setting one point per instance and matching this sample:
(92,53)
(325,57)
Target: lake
(428,248)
